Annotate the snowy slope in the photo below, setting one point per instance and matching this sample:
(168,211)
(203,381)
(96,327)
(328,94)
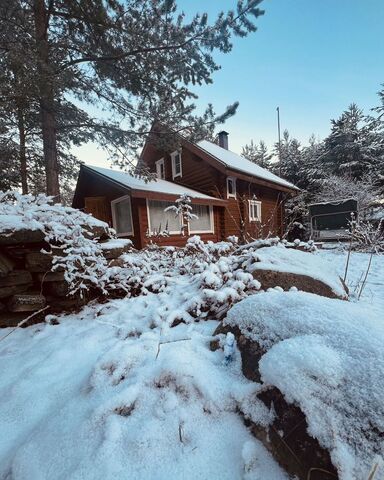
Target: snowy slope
(104,396)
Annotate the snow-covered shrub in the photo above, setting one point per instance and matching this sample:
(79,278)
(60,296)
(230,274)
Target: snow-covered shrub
(183,210)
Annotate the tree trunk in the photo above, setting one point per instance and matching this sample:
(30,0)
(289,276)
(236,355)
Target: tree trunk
(47,107)
(22,151)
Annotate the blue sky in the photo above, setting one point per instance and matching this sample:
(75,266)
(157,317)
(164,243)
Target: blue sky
(312,58)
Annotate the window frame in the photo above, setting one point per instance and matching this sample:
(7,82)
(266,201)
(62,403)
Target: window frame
(158,163)
(113,207)
(252,203)
(212,222)
(173,232)
(173,158)
(233,180)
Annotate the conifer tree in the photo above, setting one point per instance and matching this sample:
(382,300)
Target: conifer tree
(257,154)
(352,148)
(133,61)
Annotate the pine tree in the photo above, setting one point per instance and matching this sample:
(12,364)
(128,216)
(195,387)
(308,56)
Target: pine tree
(257,154)
(291,160)
(352,148)
(133,62)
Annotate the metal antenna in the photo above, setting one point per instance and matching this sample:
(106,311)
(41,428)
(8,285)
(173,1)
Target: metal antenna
(278,130)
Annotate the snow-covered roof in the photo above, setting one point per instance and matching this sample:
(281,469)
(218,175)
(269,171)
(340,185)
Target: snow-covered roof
(157,185)
(236,162)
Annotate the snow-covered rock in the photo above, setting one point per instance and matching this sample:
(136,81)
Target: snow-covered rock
(326,357)
(287,268)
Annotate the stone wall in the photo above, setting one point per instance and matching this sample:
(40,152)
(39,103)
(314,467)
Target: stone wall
(27,282)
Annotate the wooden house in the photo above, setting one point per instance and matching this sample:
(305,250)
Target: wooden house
(230,195)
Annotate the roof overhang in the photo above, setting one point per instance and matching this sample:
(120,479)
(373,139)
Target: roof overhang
(141,193)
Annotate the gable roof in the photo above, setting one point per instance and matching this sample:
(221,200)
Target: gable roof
(138,187)
(236,162)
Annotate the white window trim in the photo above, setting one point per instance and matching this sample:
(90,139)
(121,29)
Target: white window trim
(158,170)
(173,155)
(173,232)
(211,218)
(231,195)
(113,203)
(254,202)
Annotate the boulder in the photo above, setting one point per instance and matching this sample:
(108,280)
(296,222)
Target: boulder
(16,277)
(17,281)
(23,236)
(115,247)
(50,277)
(286,280)
(286,438)
(6,264)
(38,262)
(26,303)
(57,289)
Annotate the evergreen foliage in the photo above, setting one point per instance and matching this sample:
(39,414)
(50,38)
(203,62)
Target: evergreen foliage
(257,154)
(132,61)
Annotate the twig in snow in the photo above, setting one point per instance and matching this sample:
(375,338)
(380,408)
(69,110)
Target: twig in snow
(366,275)
(169,341)
(311,470)
(24,321)
(181,434)
(373,471)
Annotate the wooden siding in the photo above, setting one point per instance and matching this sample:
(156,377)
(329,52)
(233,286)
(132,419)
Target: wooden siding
(233,219)
(94,194)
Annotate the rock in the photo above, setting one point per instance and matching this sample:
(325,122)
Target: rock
(26,302)
(272,278)
(57,289)
(50,277)
(38,262)
(24,236)
(16,277)
(114,248)
(68,303)
(286,438)
(117,262)
(289,442)
(17,281)
(13,289)
(6,264)
(12,319)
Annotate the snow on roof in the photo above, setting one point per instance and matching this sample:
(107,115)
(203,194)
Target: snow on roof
(236,162)
(157,185)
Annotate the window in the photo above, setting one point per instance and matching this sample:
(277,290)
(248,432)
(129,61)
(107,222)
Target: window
(204,222)
(176,164)
(160,168)
(254,211)
(122,216)
(231,187)
(159,220)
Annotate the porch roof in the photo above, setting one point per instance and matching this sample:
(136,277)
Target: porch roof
(154,189)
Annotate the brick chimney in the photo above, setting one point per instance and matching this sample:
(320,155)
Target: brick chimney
(223,139)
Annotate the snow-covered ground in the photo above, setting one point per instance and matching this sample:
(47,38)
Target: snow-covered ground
(373,292)
(115,393)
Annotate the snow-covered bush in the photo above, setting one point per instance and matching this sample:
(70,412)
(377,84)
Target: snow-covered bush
(183,210)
